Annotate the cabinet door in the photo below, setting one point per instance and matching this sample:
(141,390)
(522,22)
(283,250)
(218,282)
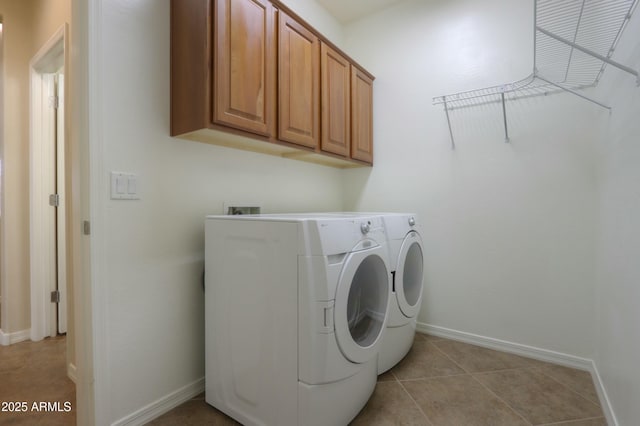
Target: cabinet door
(361,115)
(244,65)
(299,83)
(336,112)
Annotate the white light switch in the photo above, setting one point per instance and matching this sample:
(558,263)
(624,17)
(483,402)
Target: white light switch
(124,186)
(120,182)
(132,185)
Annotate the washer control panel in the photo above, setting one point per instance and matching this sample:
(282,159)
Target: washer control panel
(365,227)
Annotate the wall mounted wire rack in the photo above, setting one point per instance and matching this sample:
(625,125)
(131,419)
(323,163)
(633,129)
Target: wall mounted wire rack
(574,41)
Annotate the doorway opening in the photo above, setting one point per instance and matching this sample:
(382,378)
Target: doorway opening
(48,234)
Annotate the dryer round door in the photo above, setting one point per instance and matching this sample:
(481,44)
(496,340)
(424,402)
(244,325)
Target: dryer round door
(361,304)
(409,274)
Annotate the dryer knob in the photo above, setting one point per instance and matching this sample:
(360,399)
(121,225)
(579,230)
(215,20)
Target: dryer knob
(412,221)
(365,227)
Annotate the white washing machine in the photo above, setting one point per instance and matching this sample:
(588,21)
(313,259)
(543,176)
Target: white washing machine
(407,263)
(295,307)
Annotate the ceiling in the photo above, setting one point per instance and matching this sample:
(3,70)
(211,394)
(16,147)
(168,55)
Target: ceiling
(349,10)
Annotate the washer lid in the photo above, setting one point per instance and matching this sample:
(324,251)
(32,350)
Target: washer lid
(362,304)
(409,273)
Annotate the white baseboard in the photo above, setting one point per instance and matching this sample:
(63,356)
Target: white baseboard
(529,352)
(162,405)
(504,346)
(7,339)
(72,372)
(605,403)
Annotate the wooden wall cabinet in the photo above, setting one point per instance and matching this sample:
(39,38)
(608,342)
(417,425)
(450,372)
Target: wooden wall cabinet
(361,115)
(244,54)
(298,83)
(252,75)
(336,102)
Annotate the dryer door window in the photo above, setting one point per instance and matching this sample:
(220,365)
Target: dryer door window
(361,304)
(409,275)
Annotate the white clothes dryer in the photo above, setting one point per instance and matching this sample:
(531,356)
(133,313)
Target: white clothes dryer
(407,263)
(295,307)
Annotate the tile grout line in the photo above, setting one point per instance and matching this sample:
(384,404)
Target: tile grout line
(416,379)
(521,367)
(489,390)
(503,370)
(449,358)
(416,403)
(502,400)
(481,384)
(572,390)
(397,380)
(394,375)
(433,377)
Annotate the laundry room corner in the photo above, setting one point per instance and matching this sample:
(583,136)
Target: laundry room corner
(508,225)
(618,242)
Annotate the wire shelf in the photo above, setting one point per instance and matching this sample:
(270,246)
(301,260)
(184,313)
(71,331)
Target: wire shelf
(573,43)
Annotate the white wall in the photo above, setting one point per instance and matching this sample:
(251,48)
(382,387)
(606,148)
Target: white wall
(319,18)
(509,228)
(27,27)
(148,254)
(618,292)
(14,220)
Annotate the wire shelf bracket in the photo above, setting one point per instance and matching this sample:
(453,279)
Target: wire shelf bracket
(573,43)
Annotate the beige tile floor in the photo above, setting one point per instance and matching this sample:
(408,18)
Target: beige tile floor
(440,382)
(36,372)
(446,383)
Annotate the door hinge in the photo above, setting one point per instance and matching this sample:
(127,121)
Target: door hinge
(55,296)
(86,227)
(54,200)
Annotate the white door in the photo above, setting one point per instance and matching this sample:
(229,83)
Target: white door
(361,304)
(409,273)
(46,187)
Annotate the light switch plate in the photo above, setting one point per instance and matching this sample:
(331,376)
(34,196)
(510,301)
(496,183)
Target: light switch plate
(124,186)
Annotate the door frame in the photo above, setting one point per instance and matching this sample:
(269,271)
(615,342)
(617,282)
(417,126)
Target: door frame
(84,148)
(42,176)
